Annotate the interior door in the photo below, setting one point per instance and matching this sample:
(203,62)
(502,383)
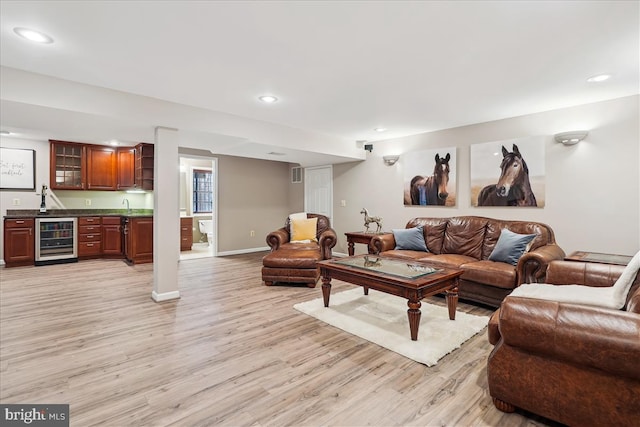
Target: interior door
(318,190)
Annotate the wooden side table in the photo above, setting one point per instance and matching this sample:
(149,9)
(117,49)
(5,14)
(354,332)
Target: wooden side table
(598,257)
(354,237)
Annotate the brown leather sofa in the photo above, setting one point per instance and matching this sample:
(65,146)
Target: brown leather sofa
(466,242)
(296,262)
(575,364)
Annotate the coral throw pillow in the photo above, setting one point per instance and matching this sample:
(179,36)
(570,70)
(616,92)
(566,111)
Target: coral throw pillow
(304,230)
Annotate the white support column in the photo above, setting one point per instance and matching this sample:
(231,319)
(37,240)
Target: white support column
(166,215)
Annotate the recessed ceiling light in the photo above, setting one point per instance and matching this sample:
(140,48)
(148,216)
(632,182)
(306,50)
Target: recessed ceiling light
(380,129)
(599,78)
(33,35)
(5,132)
(269,99)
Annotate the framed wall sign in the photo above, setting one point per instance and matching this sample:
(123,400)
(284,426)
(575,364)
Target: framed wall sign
(17,169)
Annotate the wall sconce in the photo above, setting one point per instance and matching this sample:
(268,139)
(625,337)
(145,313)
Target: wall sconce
(571,138)
(390,160)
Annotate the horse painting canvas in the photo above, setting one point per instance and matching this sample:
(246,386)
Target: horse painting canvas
(508,180)
(437,187)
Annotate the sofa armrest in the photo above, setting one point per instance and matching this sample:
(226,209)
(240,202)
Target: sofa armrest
(583,273)
(604,339)
(327,240)
(277,238)
(382,242)
(532,266)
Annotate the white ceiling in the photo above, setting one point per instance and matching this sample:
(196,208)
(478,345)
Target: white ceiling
(339,69)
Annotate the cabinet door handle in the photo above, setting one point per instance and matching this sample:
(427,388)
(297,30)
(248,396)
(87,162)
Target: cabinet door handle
(19,222)
(89,236)
(89,244)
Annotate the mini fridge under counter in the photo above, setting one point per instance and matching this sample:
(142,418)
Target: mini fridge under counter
(56,240)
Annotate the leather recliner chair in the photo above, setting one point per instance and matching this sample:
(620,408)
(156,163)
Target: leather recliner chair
(575,364)
(296,262)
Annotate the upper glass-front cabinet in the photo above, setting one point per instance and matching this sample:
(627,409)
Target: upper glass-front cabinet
(67,166)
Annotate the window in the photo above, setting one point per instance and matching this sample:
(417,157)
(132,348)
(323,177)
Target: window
(202,191)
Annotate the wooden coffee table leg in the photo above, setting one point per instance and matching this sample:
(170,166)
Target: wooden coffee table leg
(326,289)
(414,314)
(452,302)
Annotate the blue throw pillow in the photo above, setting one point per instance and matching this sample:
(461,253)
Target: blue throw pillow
(410,238)
(510,246)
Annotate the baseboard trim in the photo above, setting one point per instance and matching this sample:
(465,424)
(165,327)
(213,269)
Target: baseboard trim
(243,251)
(166,296)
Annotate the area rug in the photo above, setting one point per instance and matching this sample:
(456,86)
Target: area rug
(382,319)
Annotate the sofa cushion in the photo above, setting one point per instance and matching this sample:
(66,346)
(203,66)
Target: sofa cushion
(495,227)
(410,238)
(510,247)
(498,274)
(433,231)
(447,260)
(405,254)
(464,236)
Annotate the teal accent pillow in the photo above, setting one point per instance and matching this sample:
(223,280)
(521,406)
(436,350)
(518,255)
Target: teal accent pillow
(510,246)
(410,239)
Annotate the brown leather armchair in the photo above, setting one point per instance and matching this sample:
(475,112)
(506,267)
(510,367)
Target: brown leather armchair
(296,262)
(575,364)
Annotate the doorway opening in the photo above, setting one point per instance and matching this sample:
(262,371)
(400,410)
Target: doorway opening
(198,201)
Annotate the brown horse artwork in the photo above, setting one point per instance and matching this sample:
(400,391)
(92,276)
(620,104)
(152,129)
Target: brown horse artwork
(432,190)
(513,187)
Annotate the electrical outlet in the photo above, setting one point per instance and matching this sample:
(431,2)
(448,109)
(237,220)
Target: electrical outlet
(343,203)
(87,202)
(16,202)
(252,233)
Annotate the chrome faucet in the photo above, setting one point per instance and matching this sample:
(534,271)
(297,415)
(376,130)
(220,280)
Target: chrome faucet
(126,201)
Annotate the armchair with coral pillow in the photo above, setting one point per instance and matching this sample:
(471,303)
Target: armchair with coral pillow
(305,239)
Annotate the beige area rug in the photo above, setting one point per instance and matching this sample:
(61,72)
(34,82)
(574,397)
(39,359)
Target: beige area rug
(382,319)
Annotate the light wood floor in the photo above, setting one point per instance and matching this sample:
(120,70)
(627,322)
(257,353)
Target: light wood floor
(229,352)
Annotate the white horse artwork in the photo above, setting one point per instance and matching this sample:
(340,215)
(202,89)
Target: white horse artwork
(369,219)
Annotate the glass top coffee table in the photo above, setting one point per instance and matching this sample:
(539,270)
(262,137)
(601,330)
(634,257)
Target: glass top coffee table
(405,278)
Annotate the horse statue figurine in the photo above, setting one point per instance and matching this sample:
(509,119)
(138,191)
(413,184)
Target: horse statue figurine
(369,262)
(432,190)
(513,187)
(369,219)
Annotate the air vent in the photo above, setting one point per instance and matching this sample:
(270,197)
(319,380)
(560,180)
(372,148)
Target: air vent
(296,175)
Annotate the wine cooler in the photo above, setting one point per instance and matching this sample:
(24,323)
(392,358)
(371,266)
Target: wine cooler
(56,240)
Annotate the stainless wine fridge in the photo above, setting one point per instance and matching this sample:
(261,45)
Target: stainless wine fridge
(56,240)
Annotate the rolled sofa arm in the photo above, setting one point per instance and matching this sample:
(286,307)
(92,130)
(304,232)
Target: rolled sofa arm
(327,241)
(277,238)
(604,339)
(382,242)
(532,266)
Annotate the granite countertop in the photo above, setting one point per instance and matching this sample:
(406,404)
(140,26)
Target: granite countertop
(60,213)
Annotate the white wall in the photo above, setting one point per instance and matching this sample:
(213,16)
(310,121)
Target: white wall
(592,188)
